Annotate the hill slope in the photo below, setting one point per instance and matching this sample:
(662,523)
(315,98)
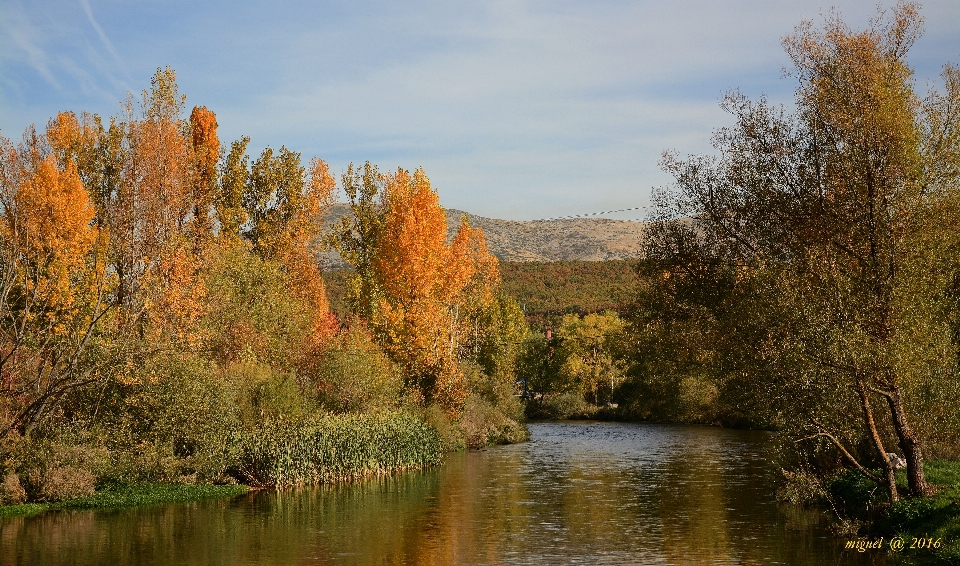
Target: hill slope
(547,291)
(572,239)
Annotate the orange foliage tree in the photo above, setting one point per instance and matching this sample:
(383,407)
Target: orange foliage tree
(117,218)
(206,154)
(54,288)
(421,290)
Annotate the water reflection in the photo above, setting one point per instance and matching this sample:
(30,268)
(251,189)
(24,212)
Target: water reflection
(578,493)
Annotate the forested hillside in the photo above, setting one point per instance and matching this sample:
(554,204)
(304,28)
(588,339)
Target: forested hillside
(548,290)
(545,290)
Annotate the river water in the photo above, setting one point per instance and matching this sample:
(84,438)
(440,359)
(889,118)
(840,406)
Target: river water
(577,493)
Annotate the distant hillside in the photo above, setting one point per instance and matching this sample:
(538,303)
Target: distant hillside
(545,290)
(580,239)
(548,290)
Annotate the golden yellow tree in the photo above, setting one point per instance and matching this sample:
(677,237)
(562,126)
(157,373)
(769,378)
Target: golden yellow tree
(206,154)
(426,286)
(53,283)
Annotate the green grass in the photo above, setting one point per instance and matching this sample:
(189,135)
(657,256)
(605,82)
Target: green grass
(334,448)
(137,495)
(935,518)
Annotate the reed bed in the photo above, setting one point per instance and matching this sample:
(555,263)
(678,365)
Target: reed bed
(336,447)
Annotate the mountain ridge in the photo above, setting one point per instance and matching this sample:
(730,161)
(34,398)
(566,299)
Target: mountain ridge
(562,239)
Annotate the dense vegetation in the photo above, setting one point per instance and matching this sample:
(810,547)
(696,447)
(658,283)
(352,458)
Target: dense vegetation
(549,290)
(163,317)
(805,279)
(545,291)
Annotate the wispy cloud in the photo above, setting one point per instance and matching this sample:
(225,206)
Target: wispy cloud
(517,108)
(85,4)
(17,27)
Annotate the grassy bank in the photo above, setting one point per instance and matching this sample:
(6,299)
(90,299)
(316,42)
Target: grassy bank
(276,453)
(139,495)
(930,524)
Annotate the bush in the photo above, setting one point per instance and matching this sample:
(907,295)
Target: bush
(176,423)
(484,424)
(355,375)
(566,406)
(66,482)
(452,436)
(49,470)
(492,414)
(857,496)
(252,316)
(11,491)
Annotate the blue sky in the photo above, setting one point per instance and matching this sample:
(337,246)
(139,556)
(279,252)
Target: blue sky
(516,109)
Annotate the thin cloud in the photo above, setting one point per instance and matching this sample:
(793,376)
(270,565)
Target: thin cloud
(17,27)
(85,4)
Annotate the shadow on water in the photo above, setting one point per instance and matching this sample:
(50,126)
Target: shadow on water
(578,493)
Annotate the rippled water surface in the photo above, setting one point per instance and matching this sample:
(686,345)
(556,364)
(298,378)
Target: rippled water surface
(577,493)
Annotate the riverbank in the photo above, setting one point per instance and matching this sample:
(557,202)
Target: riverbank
(138,495)
(277,453)
(578,493)
(929,527)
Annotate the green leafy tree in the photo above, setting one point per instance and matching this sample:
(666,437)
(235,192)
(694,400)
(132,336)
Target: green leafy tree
(590,350)
(844,207)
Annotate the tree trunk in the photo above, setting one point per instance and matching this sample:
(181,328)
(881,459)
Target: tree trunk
(888,471)
(910,444)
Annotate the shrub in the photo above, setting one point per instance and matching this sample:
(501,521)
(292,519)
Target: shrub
(252,316)
(175,424)
(451,433)
(355,375)
(49,470)
(484,424)
(66,482)
(11,491)
(567,406)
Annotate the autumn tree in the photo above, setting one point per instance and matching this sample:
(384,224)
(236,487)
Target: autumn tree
(206,154)
(54,289)
(357,235)
(276,207)
(228,202)
(419,277)
(431,303)
(589,348)
(846,208)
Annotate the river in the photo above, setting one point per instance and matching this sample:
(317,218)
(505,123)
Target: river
(577,493)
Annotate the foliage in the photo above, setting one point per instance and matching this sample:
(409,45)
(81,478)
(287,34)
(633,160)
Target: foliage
(589,348)
(566,405)
(355,375)
(576,370)
(547,291)
(492,413)
(430,304)
(140,495)
(807,271)
(163,316)
(53,285)
(250,315)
